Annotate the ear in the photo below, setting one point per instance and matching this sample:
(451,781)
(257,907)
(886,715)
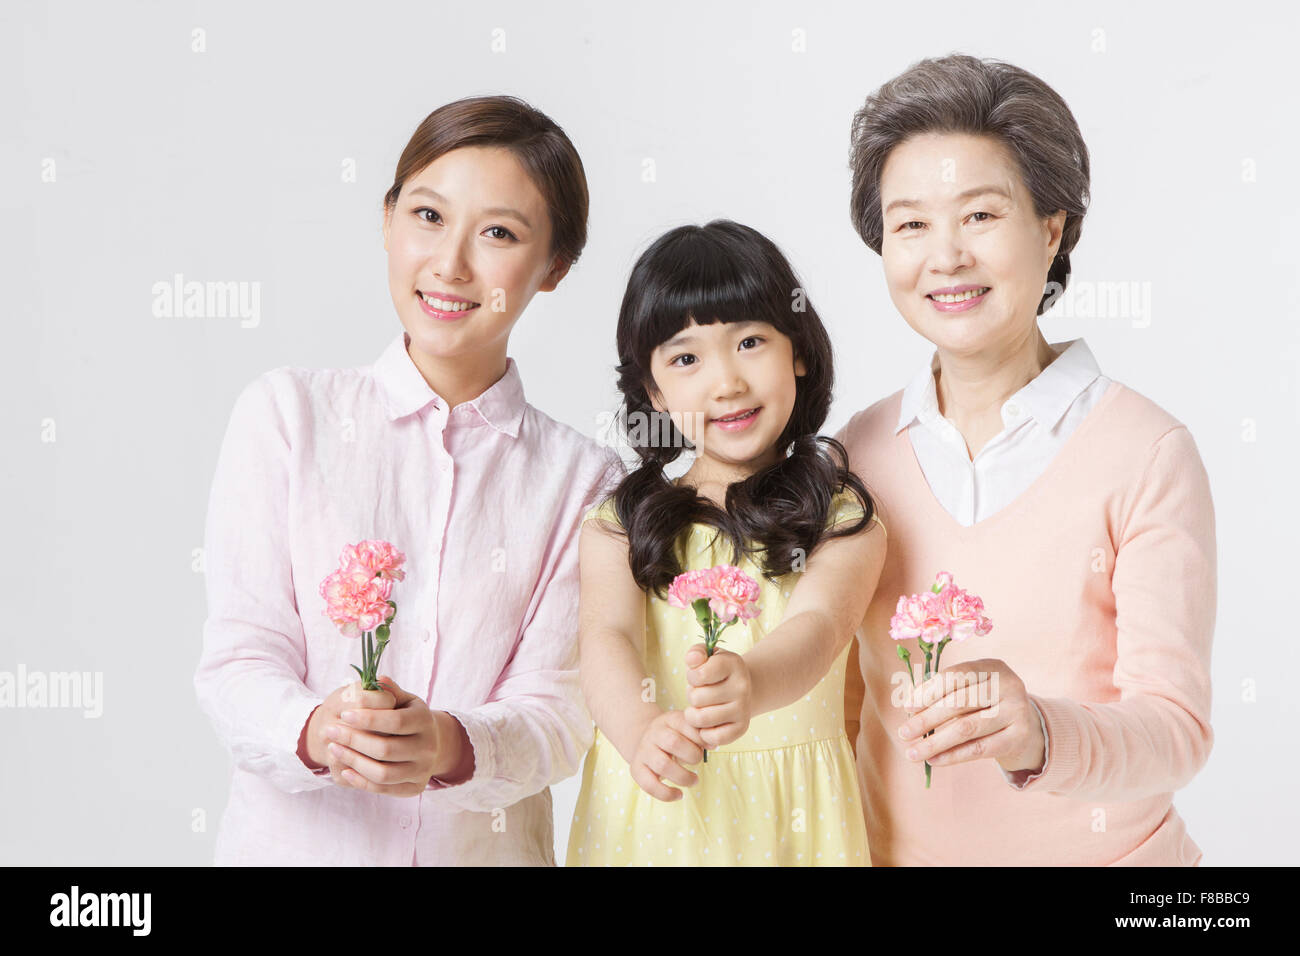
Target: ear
(559,269)
(800,369)
(388,222)
(1055,227)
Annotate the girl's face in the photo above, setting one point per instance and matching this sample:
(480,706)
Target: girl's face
(472,231)
(958,219)
(707,373)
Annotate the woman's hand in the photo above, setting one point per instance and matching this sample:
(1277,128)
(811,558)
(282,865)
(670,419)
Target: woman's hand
(348,697)
(985,712)
(721,695)
(395,751)
(667,745)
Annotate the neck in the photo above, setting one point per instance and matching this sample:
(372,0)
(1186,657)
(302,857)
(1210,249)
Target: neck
(462,378)
(970,388)
(707,475)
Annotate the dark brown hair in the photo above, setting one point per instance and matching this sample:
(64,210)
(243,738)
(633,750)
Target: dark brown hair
(727,272)
(541,147)
(962,94)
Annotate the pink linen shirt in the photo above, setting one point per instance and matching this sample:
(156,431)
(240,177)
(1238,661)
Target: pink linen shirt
(485,500)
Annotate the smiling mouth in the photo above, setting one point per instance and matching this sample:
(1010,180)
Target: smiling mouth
(960,296)
(445,305)
(740,416)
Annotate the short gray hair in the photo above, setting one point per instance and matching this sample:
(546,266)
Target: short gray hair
(962,94)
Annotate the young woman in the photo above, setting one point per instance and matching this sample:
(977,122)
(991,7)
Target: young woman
(433,449)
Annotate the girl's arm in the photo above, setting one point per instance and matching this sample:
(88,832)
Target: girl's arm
(824,613)
(611,640)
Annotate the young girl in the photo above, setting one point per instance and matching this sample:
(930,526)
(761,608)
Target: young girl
(719,347)
(433,449)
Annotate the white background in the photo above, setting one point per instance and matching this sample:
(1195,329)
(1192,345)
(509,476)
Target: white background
(225,165)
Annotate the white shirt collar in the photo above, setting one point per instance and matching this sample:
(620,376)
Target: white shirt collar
(1046,398)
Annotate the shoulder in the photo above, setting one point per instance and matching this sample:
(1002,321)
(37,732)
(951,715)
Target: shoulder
(1134,413)
(846,509)
(602,510)
(569,449)
(294,391)
(876,421)
(1137,431)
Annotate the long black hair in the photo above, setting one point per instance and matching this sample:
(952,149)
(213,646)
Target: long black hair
(727,272)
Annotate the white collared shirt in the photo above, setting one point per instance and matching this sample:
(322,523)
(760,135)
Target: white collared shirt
(1036,422)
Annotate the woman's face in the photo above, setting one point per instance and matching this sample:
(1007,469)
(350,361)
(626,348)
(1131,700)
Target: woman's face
(711,372)
(957,216)
(470,226)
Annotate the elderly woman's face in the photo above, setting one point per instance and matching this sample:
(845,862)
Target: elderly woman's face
(965,254)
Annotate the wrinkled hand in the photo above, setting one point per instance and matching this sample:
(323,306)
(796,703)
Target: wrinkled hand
(989,717)
(720,696)
(394,751)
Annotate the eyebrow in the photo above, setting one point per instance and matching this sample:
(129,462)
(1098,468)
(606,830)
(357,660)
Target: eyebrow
(968,194)
(682,338)
(493,211)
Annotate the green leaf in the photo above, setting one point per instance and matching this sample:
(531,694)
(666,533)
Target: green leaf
(361,675)
(702,612)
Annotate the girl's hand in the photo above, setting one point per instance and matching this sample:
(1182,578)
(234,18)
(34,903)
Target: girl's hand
(667,745)
(326,715)
(720,697)
(989,717)
(395,751)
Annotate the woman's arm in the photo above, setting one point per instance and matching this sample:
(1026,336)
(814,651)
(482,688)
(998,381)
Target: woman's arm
(1158,735)
(611,640)
(249,679)
(824,613)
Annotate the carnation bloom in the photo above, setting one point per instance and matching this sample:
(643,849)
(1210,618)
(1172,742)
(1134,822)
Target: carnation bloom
(731,592)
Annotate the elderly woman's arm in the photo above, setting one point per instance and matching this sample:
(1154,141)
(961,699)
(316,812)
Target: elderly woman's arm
(1157,736)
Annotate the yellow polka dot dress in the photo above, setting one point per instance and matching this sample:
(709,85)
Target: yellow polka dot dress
(784,794)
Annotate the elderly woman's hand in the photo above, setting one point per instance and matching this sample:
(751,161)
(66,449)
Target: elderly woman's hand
(977,709)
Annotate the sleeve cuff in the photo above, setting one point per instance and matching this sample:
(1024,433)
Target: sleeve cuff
(298,775)
(1018,778)
(480,742)
(1061,726)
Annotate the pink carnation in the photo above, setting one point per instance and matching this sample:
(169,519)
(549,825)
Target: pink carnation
(965,611)
(356,595)
(920,616)
(731,592)
(378,557)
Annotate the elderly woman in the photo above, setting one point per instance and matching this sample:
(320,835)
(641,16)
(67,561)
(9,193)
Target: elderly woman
(1078,509)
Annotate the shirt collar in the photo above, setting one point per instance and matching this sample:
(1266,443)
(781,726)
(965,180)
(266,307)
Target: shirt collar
(1046,398)
(405,391)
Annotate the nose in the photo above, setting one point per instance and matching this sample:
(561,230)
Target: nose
(949,253)
(448,259)
(730,382)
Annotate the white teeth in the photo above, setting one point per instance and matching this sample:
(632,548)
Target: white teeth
(736,418)
(443,305)
(961,296)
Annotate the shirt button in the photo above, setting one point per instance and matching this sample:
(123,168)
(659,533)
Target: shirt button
(425,636)
(446,467)
(1013,409)
(405,822)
